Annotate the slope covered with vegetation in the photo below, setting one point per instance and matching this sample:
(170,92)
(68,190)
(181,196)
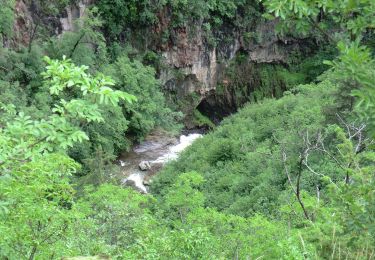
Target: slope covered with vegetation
(286,178)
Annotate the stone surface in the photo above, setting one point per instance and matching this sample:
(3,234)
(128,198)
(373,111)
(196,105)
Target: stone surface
(73,12)
(196,64)
(144,166)
(135,180)
(147,182)
(193,71)
(23,25)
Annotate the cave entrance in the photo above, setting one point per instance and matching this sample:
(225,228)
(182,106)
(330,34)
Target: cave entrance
(215,108)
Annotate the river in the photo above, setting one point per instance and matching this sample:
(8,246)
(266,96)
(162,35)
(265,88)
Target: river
(151,155)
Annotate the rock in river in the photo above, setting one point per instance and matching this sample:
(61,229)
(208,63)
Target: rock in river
(144,165)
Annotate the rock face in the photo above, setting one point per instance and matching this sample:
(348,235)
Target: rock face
(73,12)
(23,26)
(195,62)
(28,17)
(194,68)
(198,63)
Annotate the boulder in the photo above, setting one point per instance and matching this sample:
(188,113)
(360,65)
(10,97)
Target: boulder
(144,166)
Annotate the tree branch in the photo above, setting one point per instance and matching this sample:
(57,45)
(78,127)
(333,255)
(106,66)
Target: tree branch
(30,146)
(76,44)
(297,189)
(32,36)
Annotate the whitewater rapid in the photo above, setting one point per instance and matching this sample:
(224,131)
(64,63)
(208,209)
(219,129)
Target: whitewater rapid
(163,152)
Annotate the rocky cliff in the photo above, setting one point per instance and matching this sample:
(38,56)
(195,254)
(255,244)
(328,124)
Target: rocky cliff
(208,76)
(214,77)
(31,14)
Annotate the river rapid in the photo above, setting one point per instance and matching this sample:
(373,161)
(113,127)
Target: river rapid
(146,159)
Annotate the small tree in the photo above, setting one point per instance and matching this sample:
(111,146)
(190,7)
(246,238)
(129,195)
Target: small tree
(183,196)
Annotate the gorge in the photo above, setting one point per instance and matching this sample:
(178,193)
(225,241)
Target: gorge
(176,129)
(214,72)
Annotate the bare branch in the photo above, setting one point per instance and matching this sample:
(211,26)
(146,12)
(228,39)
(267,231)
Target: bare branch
(314,172)
(344,123)
(287,172)
(296,188)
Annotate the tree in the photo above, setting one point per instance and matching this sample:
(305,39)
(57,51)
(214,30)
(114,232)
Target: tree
(349,19)
(354,68)
(36,197)
(183,196)
(85,45)
(151,110)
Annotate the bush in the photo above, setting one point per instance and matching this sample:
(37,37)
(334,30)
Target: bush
(241,160)
(150,110)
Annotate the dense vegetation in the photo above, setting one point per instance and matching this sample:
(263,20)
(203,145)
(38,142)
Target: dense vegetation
(122,19)
(286,178)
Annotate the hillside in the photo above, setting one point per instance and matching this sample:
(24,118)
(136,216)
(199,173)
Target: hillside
(93,92)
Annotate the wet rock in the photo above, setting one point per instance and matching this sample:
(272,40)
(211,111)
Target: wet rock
(147,182)
(130,183)
(144,166)
(122,163)
(197,63)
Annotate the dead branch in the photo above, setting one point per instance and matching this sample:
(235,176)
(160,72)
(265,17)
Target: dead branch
(297,187)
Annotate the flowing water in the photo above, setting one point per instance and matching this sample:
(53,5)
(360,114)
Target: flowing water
(157,150)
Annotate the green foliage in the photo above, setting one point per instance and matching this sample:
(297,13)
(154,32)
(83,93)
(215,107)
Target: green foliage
(22,68)
(82,108)
(348,210)
(125,19)
(150,110)
(61,75)
(222,9)
(302,17)
(354,70)
(6,18)
(62,128)
(112,212)
(313,66)
(279,180)
(201,120)
(36,196)
(241,159)
(120,15)
(85,45)
(52,7)
(183,196)
(253,82)
(247,163)
(11,95)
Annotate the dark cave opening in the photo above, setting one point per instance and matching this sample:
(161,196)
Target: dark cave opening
(215,108)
